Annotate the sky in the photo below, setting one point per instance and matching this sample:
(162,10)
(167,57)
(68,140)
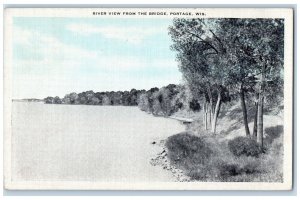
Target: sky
(56,56)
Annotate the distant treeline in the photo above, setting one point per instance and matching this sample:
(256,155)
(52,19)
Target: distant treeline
(163,101)
(28,100)
(126,98)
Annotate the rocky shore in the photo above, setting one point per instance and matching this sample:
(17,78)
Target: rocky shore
(161,160)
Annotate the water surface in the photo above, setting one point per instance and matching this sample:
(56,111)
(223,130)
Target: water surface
(86,143)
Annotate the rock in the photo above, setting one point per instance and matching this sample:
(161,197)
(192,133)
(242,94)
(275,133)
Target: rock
(153,142)
(163,152)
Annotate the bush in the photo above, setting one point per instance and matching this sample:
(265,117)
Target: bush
(186,150)
(251,168)
(194,105)
(244,146)
(208,158)
(227,170)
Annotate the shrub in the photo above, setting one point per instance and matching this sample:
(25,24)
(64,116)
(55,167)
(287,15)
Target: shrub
(227,170)
(194,105)
(251,168)
(200,172)
(244,146)
(206,158)
(187,150)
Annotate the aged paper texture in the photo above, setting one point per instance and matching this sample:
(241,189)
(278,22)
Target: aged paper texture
(148,99)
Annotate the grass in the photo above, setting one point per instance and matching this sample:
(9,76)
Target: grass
(208,158)
(244,146)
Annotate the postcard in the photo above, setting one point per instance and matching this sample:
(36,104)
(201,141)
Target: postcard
(148,98)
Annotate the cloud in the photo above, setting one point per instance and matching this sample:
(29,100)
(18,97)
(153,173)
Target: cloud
(49,46)
(131,34)
(56,68)
(56,55)
(47,54)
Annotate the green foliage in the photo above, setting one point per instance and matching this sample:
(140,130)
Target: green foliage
(163,102)
(49,100)
(57,100)
(244,146)
(194,105)
(218,56)
(144,102)
(167,100)
(208,158)
(228,170)
(127,98)
(186,150)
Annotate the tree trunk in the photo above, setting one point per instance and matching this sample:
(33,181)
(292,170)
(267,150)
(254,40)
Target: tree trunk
(205,115)
(210,117)
(260,122)
(205,118)
(210,99)
(217,110)
(254,135)
(244,109)
(260,127)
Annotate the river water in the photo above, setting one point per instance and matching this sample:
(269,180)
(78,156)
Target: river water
(86,143)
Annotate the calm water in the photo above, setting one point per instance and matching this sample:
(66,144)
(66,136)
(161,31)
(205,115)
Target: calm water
(92,143)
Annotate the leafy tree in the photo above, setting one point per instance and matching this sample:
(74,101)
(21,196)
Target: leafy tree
(106,100)
(254,45)
(49,100)
(267,44)
(219,54)
(57,100)
(201,60)
(144,102)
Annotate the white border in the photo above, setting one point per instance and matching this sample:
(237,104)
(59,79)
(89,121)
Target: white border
(287,14)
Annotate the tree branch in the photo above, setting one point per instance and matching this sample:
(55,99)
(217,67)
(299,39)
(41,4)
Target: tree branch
(209,54)
(201,40)
(218,39)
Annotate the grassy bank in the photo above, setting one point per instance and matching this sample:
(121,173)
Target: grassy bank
(228,155)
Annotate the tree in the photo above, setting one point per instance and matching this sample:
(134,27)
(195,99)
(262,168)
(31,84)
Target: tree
(49,100)
(201,60)
(57,100)
(218,54)
(257,52)
(166,95)
(106,100)
(268,52)
(71,98)
(126,98)
(143,102)
(182,100)
(133,97)
(239,74)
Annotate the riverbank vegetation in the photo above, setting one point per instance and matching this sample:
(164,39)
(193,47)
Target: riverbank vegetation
(225,61)
(159,101)
(126,98)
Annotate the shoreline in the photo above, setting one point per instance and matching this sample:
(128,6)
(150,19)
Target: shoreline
(161,159)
